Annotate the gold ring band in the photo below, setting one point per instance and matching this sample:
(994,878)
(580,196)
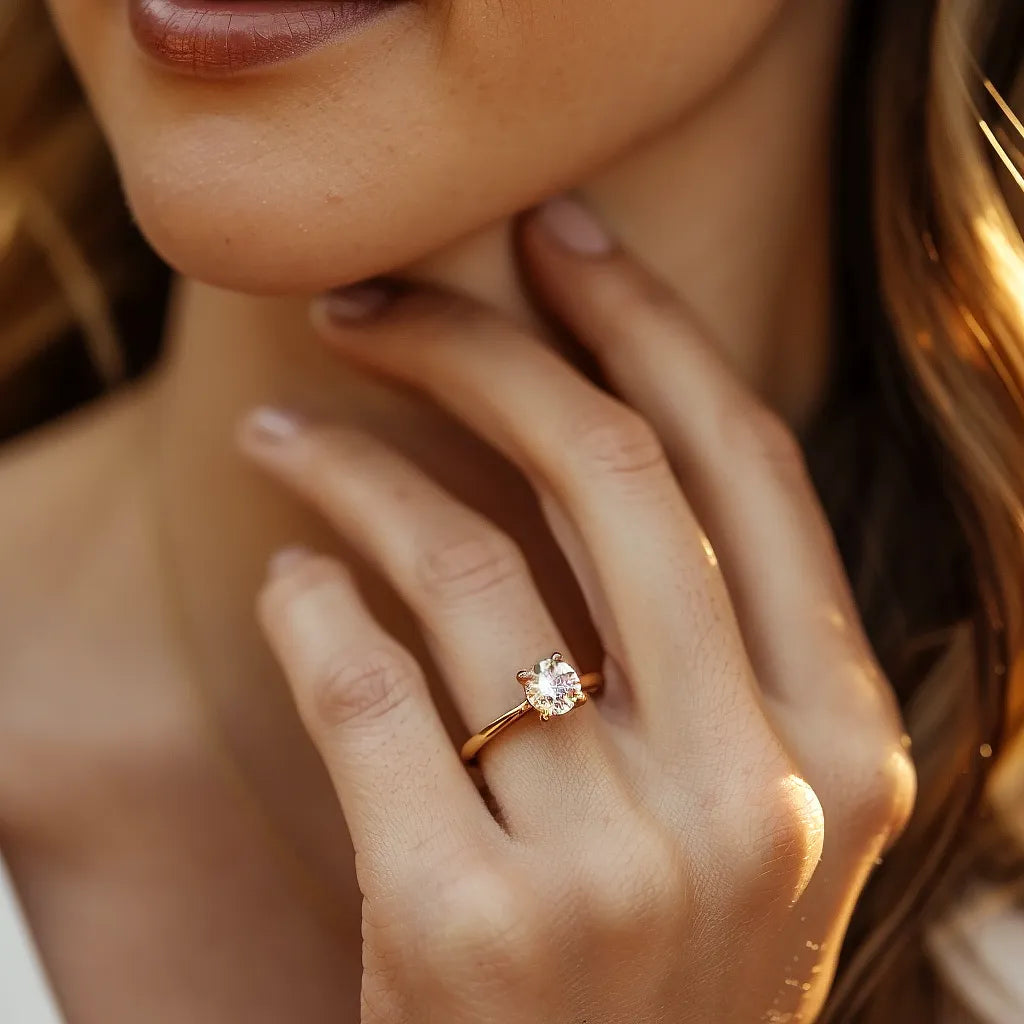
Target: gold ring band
(553,688)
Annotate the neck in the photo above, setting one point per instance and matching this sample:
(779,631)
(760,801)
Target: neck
(730,205)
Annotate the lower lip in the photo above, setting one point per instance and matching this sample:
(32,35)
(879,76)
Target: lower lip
(222,37)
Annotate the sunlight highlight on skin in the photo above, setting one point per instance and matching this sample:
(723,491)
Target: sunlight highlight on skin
(709,551)
(806,800)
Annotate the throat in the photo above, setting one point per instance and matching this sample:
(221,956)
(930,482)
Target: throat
(731,206)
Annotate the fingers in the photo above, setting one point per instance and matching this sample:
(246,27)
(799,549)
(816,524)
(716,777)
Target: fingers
(607,476)
(466,581)
(741,466)
(609,492)
(744,473)
(365,703)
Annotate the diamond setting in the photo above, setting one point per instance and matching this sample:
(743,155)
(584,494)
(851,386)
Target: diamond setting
(553,687)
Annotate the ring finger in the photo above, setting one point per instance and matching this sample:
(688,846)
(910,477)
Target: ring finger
(466,581)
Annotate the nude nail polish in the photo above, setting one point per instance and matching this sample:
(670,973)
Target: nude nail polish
(575,227)
(269,424)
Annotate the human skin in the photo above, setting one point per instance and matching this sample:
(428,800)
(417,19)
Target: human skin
(434,115)
(146,508)
(634,851)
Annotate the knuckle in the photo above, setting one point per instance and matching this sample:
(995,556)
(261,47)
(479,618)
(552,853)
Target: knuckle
(882,788)
(333,448)
(777,842)
(642,891)
(332,456)
(621,443)
(307,579)
(661,303)
(647,307)
(482,922)
(376,1007)
(361,689)
(792,837)
(470,566)
(758,432)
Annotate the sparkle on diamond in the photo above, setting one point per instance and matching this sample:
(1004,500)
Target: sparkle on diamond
(554,688)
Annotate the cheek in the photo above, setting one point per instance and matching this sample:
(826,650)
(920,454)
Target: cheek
(363,157)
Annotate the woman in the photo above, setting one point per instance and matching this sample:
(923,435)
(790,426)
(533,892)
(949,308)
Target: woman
(545,443)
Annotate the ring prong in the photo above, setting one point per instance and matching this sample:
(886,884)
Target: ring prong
(582,698)
(557,657)
(525,677)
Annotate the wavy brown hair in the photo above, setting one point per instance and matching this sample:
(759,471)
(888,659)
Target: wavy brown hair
(918,456)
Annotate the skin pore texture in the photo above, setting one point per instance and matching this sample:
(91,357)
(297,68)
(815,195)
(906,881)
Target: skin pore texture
(205,841)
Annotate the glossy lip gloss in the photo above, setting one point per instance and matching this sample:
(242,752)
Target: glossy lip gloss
(223,37)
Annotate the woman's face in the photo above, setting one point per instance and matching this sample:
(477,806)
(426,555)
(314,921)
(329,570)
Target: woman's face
(273,145)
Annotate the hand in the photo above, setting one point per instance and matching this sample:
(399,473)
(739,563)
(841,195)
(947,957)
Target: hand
(662,854)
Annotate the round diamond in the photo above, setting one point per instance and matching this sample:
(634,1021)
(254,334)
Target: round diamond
(554,687)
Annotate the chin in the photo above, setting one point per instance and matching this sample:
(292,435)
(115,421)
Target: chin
(293,222)
(247,243)
(241,240)
(306,218)
(389,142)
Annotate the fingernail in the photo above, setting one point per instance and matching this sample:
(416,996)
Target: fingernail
(576,227)
(357,302)
(267,424)
(286,559)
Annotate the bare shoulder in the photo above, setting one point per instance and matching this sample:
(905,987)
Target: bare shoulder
(76,611)
(58,484)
